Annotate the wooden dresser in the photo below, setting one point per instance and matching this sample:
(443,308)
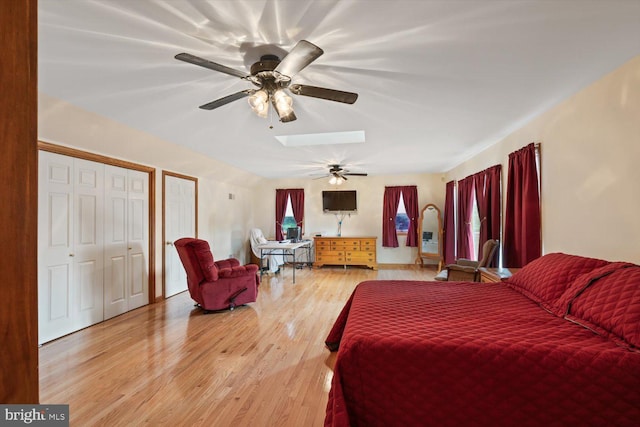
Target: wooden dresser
(345,251)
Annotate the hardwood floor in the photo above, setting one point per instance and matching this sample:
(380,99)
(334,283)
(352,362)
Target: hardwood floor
(264,364)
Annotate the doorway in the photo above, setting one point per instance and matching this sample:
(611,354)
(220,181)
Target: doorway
(180,219)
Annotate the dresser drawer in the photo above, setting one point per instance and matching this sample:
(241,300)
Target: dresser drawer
(322,243)
(368,245)
(330,259)
(361,257)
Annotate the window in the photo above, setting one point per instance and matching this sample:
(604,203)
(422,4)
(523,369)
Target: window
(475,229)
(289,221)
(289,209)
(402,219)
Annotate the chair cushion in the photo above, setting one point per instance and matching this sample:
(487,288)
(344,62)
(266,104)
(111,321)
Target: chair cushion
(545,279)
(610,306)
(205,258)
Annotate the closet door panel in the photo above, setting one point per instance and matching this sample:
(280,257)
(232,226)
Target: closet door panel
(88,243)
(58,296)
(55,246)
(115,241)
(137,239)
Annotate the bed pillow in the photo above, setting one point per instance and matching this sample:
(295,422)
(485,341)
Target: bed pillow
(582,282)
(545,279)
(610,306)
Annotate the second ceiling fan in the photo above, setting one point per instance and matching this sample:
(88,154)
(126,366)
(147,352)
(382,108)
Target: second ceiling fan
(272,76)
(337,174)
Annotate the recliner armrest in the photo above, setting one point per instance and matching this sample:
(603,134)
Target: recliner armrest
(227,263)
(238,271)
(467,262)
(465,268)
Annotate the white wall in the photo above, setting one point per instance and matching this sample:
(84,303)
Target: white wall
(590,160)
(222,222)
(365,223)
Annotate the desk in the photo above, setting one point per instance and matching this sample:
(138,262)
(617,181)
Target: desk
(284,249)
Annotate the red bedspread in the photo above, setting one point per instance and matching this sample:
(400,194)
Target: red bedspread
(462,354)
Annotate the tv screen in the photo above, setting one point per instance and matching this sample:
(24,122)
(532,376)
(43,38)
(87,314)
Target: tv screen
(293,234)
(339,201)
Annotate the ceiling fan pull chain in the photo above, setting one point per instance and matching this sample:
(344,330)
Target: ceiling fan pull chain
(270,118)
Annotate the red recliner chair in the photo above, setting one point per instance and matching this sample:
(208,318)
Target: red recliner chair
(216,285)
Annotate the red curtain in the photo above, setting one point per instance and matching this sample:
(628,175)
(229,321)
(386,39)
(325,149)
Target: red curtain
(410,197)
(281,209)
(465,209)
(389,211)
(493,193)
(487,187)
(522,238)
(297,205)
(449,225)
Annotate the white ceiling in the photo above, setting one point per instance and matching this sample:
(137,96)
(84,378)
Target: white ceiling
(438,81)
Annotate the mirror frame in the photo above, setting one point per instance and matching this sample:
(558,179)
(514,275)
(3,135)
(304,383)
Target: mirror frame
(429,255)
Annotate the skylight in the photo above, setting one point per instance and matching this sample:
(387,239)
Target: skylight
(327,138)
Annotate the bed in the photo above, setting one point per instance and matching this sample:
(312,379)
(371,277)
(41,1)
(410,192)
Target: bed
(530,352)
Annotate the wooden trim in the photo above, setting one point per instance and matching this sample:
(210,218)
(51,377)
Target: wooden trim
(391,266)
(164,228)
(86,155)
(19,200)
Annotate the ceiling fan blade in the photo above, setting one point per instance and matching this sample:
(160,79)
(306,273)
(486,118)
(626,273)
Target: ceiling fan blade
(227,99)
(324,93)
(302,54)
(355,174)
(192,59)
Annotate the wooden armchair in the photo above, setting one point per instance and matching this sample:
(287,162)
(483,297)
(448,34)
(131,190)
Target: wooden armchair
(466,270)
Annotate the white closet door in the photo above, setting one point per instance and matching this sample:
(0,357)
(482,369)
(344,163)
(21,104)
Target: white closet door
(179,221)
(126,254)
(88,243)
(55,246)
(70,286)
(115,241)
(138,240)
(93,226)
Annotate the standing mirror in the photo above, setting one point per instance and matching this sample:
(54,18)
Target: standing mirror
(430,235)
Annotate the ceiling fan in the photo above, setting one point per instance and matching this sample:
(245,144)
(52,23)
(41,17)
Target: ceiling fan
(272,76)
(338,175)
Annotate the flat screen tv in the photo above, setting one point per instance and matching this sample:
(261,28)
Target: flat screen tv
(339,201)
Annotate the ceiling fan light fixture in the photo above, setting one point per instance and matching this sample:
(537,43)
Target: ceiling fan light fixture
(259,102)
(333,180)
(339,180)
(282,104)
